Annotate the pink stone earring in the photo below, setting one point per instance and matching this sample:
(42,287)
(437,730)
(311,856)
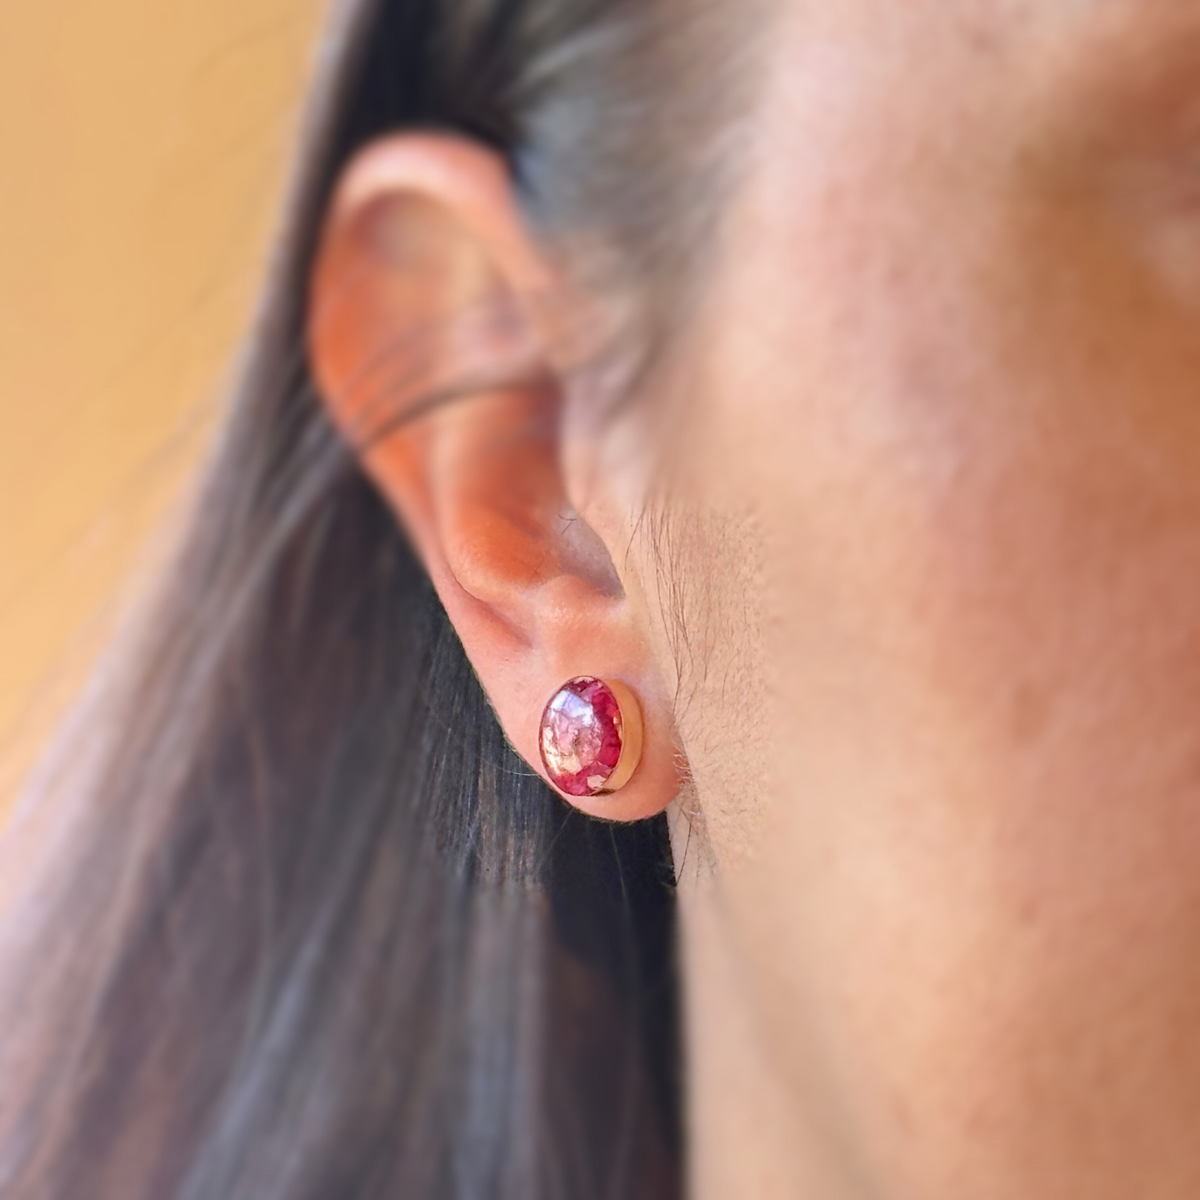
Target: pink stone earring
(591,737)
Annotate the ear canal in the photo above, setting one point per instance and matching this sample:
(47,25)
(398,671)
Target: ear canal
(591,737)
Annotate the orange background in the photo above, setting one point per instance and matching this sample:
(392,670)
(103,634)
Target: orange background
(142,148)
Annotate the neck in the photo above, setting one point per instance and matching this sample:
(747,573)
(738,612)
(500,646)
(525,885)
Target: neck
(749,1134)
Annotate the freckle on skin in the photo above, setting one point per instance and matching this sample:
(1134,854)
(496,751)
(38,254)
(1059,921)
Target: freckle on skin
(1030,712)
(1029,912)
(904,1117)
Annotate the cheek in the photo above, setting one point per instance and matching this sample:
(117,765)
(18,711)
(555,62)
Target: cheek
(972,432)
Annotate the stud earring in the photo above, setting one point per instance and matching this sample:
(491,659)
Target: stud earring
(591,737)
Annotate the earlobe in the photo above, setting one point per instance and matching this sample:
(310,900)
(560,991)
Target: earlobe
(427,285)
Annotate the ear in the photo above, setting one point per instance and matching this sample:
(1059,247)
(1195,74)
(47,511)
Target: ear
(432,334)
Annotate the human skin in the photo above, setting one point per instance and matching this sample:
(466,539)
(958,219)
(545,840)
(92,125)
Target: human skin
(930,640)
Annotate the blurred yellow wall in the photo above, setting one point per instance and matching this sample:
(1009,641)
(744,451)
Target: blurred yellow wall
(142,147)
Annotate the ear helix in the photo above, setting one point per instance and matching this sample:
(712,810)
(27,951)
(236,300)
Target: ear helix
(591,737)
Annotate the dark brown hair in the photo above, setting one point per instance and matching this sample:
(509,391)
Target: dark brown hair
(308,928)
